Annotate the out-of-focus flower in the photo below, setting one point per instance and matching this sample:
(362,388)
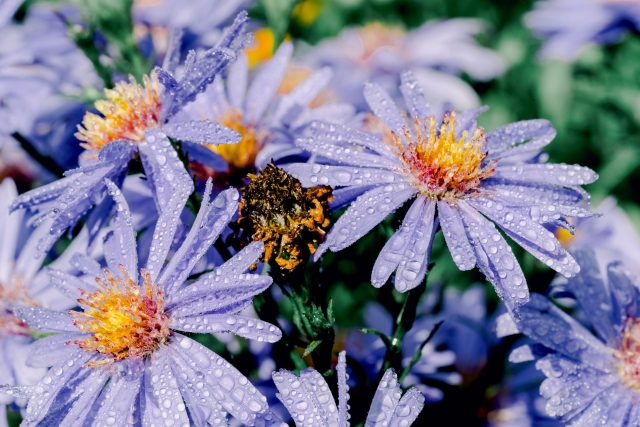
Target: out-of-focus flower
(267,123)
(591,381)
(569,25)
(201,20)
(463,172)
(436,53)
(614,238)
(138,120)
(310,403)
(40,68)
(22,282)
(289,219)
(122,353)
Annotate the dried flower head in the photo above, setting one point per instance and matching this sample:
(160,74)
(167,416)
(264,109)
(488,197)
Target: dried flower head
(288,218)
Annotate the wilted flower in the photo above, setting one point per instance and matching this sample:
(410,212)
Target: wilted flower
(289,219)
(123,352)
(435,52)
(591,381)
(569,25)
(138,119)
(463,172)
(310,403)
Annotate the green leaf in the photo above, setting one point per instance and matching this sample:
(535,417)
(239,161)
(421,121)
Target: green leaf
(312,346)
(278,14)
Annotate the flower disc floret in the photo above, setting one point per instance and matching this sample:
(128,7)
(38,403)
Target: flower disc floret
(125,320)
(129,110)
(628,355)
(242,155)
(437,164)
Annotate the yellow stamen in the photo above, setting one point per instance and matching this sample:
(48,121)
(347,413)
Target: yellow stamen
(242,155)
(128,112)
(125,320)
(437,164)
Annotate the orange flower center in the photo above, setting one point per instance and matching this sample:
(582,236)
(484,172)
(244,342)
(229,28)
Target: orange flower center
(129,110)
(439,165)
(242,155)
(125,320)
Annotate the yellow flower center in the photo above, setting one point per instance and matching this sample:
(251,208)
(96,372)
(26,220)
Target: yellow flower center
(261,48)
(242,155)
(10,324)
(129,110)
(565,237)
(306,12)
(125,320)
(439,165)
(628,356)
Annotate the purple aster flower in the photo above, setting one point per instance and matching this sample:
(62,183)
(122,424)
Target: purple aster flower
(267,122)
(310,403)
(138,119)
(591,380)
(23,282)
(436,53)
(121,359)
(469,176)
(569,25)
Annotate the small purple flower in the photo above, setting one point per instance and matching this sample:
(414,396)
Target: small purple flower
(467,175)
(310,403)
(123,356)
(569,25)
(591,380)
(436,52)
(142,122)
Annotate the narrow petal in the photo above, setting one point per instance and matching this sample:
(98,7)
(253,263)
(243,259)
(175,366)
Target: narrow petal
(172,56)
(68,284)
(623,291)
(414,96)
(340,134)
(45,320)
(467,121)
(318,391)
(339,176)
(266,83)
(383,107)
(415,259)
(230,388)
(408,408)
(529,234)
(594,297)
(89,388)
(201,132)
(526,193)
(501,141)
(213,295)
(51,384)
(347,154)
(237,80)
(243,326)
(344,196)
(123,234)
(384,401)
(244,259)
(455,236)
(495,258)
(550,326)
(41,194)
(86,264)
(116,401)
(505,326)
(365,213)
(557,174)
(343,389)
(52,350)
(212,218)
(163,399)
(173,186)
(300,404)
